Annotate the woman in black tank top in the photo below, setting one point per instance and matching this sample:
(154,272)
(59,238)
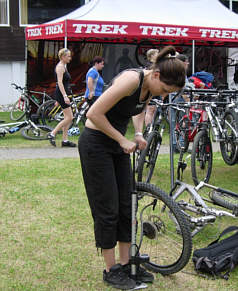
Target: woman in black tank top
(61,96)
(105,155)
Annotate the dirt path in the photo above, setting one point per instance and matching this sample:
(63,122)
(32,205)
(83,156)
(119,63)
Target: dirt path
(51,152)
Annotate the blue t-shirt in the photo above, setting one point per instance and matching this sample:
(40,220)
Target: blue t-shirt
(97,81)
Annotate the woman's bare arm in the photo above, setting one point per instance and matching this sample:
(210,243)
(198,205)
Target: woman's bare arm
(90,87)
(123,86)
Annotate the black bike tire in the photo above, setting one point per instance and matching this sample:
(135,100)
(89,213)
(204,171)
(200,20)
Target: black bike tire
(152,139)
(201,134)
(230,160)
(173,209)
(15,106)
(43,115)
(43,128)
(217,197)
(178,131)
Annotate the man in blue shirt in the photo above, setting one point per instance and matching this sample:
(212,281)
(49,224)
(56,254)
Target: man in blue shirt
(94,81)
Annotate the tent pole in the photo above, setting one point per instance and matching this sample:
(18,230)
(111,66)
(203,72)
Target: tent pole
(65,38)
(193,56)
(26,59)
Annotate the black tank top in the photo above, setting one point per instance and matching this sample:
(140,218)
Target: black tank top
(66,83)
(119,115)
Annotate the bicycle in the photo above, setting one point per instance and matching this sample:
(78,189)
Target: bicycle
(51,113)
(29,129)
(211,116)
(27,98)
(161,228)
(153,134)
(192,203)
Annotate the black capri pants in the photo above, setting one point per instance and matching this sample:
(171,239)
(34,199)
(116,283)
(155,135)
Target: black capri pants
(107,177)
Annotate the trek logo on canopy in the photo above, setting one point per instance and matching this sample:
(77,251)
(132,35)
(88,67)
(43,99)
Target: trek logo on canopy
(159,30)
(55,29)
(100,28)
(48,30)
(34,31)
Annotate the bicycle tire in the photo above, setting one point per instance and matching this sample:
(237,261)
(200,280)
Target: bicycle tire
(181,131)
(31,133)
(16,113)
(225,200)
(50,114)
(229,148)
(166,233)
(148,157)
(201,157)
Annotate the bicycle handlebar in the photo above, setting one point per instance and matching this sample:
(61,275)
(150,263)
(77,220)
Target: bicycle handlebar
(210,91)
(17,87)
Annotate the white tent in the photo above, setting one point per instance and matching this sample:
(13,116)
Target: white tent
(135,20)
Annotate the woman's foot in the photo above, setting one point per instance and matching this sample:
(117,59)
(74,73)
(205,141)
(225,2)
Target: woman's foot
(68,144)
(51,139)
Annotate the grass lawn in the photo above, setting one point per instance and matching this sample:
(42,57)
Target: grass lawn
(46,231)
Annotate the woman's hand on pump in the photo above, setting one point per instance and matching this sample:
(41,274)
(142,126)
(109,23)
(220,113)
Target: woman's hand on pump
(141,142)
(128,146)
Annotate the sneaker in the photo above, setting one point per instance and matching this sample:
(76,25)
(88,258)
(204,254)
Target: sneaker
(141,274)
(51,138)
(117,278)
(68,144)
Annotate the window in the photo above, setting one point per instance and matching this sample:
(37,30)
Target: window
(4,12)
(231,4)
(40,11)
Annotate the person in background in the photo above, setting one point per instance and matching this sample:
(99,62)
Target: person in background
(181,98)
(105,157)
(151,56)
(61,96)
(94,81)
(124,62)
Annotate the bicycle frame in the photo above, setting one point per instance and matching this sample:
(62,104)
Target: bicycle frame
(209,213)
(218,133)
(6,127)
(202,118)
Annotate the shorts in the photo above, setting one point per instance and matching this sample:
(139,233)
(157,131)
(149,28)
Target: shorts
(60,99)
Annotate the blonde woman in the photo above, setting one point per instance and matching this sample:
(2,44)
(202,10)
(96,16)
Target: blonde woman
(61,96)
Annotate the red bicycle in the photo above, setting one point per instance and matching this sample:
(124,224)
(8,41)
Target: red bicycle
(192,125)
(188,121)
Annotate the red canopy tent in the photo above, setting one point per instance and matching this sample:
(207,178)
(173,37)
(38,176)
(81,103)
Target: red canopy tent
(182,22)
(133,21)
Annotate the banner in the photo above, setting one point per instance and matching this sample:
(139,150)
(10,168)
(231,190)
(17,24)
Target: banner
(128,31)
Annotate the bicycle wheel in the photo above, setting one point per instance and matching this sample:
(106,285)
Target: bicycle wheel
(201,157)
(148,157)
(181,131)
(166,235)
(229,148)
(32,133)
(225,200)
(50,113)
(18,110)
